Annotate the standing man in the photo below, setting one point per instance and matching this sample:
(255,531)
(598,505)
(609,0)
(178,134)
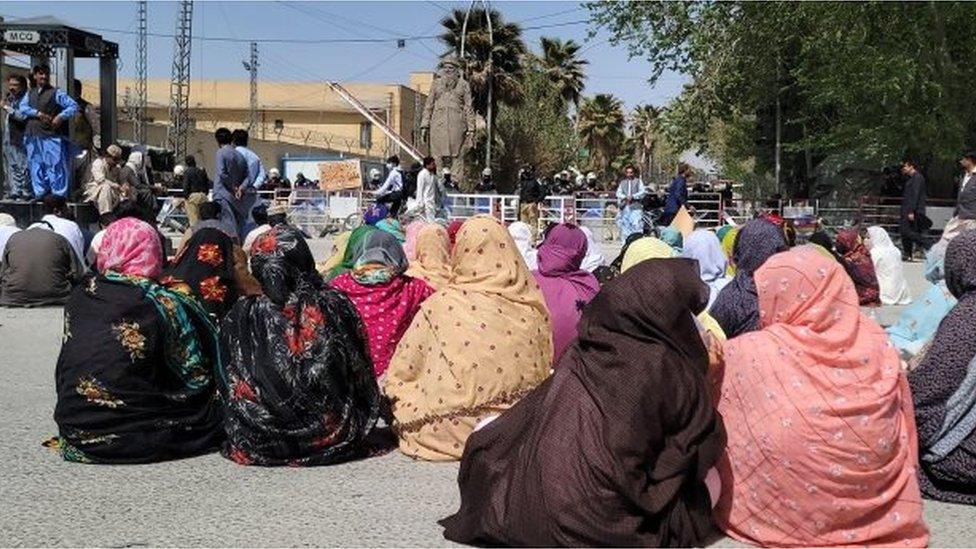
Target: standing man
(913,220)
(531,195)
(196,189)
(14,155)
(255,171)
(677,195)
(424,206)
(48,110)
(392,190)
(231,185)
(630,193)
(966,199)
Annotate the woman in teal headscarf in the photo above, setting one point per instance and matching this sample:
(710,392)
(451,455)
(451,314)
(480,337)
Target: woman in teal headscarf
(354,249)
(672,237)
(919,321)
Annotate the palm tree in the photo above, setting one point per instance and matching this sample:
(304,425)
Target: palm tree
(564,68)
(644,131)
(498,61)
(601,129)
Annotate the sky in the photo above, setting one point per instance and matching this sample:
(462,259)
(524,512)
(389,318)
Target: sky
(609,71)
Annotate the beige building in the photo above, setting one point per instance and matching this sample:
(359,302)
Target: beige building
(304,114)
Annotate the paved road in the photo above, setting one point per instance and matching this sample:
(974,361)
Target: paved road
(208,501)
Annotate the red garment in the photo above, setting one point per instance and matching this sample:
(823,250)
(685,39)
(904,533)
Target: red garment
(859,266)
(386,310)
(452,230)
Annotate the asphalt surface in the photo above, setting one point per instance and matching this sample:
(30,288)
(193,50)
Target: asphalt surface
(208,501)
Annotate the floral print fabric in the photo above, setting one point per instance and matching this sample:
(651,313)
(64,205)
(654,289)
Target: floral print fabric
(207,264)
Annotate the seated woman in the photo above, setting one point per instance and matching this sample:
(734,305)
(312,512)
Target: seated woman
(856,259)
(298,387)
(919,321)
(566,287)
(135,377)
(214,268)
(338,249)
(888,268)
(736,308)
(475,348)
(672,237)
(385,298)
(942,386)
(522,234)
(432,264)
(613,449)
(822,448)
(704,247)
(594,255)
(352,251)
(727,234)
(412,232)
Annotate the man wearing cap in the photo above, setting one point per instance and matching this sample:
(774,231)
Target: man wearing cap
(103,188)
(486,185)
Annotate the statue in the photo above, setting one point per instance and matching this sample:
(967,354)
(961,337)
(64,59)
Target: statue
(448,121)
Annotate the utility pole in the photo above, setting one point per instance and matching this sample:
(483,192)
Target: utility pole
(139,110)
(179,85)
(252,67)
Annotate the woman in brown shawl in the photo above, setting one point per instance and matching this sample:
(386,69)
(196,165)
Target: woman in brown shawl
(614,448)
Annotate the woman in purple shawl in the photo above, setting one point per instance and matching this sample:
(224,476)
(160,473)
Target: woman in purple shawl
(565,285)
(736,308)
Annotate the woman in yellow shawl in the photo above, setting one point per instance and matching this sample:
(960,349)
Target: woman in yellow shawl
(431,262)
(475,348)
(655,248)
(728,243)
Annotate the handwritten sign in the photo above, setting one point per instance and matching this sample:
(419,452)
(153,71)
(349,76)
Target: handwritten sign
(340,175)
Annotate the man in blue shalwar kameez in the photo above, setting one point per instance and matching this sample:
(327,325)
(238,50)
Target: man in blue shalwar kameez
(47,110)
(630,192)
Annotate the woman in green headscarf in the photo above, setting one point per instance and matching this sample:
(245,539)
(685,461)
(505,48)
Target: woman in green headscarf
(354,249)
(728,243)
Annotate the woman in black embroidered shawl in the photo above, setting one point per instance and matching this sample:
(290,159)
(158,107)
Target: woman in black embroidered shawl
(298,387)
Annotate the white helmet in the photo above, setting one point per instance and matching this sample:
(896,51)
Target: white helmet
(374,174)
(273,172)
(446,171)
(178,170)
(591,176)
(486,172)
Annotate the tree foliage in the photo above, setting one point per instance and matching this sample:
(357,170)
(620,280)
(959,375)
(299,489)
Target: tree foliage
(564,68)
(601,127)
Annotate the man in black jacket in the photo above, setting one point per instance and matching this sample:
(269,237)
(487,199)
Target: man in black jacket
(196,188)
(913,220)
(531,195)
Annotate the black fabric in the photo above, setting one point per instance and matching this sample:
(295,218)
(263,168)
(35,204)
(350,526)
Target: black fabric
(195,180)
(206,265)
(299,387)
(17,128)
(394,199)
(130,388)
(531,191)
(614,448)
(45,101)
(913,195)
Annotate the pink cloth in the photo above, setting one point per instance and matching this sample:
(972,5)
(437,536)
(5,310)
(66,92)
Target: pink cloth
(386,310)
(410,245)
(131,247)
(566,287)
(822,448)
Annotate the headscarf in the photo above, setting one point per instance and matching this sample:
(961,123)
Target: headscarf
(722,231)
(607,273)
(857,262)
(206,264)
(522,234)
(393,227)
(822,239)
(452,230)
(476,346)
(339,243)
(594,256)
(888,267)
(298,387)
(822,447)
(566,287)
(645,248)
(672,237)
(433,256)
(354,249)
(704,247)
(382,259)
(412,232)
(376,213)
(135,162)
(917,323)
(131,247)
(735,308)
(613,449)
(728,246)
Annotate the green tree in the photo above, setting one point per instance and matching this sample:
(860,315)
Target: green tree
(645,133)
(564,68)
(601,129)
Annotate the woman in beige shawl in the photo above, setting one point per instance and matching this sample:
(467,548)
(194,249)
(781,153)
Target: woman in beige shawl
(432,258)
(475,348)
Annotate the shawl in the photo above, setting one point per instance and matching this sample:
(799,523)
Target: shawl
(410,244)
(645,248)
(208,263)
(704,247)
(393,227)
(339,244)
(522,234)
(672,237)
(452,230)
(298,387)
(475,348)
(386,304)
(944,386)
(566,287)
(375,213)
(433,256)
(354,249)
(822,447)
(736,308)
(888,267)
(613,449)
(594,256)
(607,273)
(722,231)
(728,244)
(130,247)
(857,262)
(822,239)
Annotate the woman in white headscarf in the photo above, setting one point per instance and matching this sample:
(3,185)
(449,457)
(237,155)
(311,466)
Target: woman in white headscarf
(594,256)
(522,234)
(136,187)
(888,267)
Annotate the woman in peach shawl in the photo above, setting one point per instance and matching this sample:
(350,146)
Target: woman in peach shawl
(432,256)
(475,348)
(822,448)
(412,232)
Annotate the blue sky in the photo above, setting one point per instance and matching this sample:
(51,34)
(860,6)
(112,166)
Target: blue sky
(609,71)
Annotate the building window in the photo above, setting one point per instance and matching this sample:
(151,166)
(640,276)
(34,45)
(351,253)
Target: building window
(366,136)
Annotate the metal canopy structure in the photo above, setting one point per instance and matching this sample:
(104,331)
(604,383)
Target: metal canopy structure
(51,41)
